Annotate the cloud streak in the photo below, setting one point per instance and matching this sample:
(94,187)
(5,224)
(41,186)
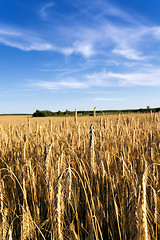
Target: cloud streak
(104,99)
(101,80)
(146,77)
(28,41)
(131,41)
(23,40)
(44,10)
(56,85)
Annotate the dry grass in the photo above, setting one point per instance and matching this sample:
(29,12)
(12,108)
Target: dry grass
(80,178)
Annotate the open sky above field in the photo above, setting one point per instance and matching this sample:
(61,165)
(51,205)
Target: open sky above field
(67,54)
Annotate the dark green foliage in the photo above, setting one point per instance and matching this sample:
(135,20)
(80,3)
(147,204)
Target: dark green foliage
(46,113)
(69,113)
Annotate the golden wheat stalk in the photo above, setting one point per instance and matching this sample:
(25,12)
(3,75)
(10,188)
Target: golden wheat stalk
(144,225)
(75,116)
(4,212)
(92,150)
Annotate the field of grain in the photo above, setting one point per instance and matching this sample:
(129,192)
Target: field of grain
(73,179)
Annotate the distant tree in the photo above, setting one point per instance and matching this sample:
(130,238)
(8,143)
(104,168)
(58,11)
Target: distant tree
(45,113)
(59,113)
(67,112)
(38,114)
(94,112)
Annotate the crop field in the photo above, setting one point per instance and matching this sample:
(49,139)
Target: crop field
(88,178)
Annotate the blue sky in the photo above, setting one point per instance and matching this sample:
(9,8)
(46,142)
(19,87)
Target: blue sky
(67,54)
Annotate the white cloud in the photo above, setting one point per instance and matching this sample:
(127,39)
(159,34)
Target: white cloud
(155,31)
(9,32)
(129,53)
(27,41)
(102,80)
(85,49)
(54,85)
(108,38)
(36,46)
(146,77)
(23,40)
(109,99)
(44,9)
(102,37)
(103,8)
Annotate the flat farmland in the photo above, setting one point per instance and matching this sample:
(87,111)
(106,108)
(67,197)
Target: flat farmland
(80,178)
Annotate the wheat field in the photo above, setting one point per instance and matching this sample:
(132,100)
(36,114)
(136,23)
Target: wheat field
(80,178)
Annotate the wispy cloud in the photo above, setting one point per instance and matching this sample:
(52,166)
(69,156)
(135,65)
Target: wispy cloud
(128,39)
(101,80)
(28,46)
(128,53)
(23,40)
(104,99)
(44,10)
(55,85)
(28,41)
(128,42)
(9,32)
(145,77)
(100,9)
(81,48)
